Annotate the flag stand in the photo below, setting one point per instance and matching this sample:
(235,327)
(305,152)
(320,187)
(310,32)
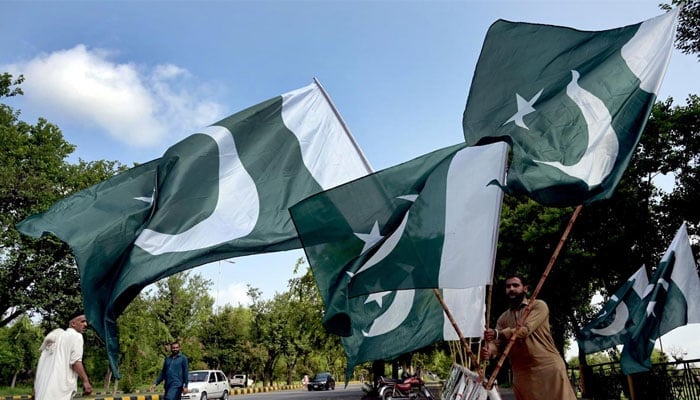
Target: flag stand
(527,310)
(467,349)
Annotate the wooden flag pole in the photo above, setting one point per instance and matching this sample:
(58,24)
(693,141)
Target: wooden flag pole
(526,312)
(489,295)
(465,345)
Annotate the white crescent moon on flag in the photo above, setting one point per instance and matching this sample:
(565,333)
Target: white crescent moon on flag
(386,248)
(602,148)
(617,325)
(228,221)
(394,316)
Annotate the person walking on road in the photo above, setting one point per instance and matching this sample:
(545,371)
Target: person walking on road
(175,373)
(61,362)
(539,372)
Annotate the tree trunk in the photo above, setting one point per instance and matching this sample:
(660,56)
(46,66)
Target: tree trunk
(14,379)
(108,379)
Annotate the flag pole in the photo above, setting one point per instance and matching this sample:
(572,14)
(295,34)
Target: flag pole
(462,340)
(526,312)
(344,125)
(489,294)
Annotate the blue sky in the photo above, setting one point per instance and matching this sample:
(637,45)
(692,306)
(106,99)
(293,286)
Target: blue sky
(125,80)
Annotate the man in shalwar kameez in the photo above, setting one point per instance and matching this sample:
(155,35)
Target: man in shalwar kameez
(539,372)
(61,362)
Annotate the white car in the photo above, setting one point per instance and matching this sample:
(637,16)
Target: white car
(241,380)
(207,384)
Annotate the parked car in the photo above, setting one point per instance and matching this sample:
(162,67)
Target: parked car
(322,381)
(207,384)
(241,380)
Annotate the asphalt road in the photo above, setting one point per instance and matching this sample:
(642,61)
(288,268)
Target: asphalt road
(352,392)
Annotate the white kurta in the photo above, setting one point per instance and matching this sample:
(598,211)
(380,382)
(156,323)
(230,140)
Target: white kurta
(55,379)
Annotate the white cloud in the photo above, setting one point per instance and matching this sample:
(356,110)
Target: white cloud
(140,106)
(235,294)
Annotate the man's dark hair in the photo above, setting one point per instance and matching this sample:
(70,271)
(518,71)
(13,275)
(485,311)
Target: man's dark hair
(518,275)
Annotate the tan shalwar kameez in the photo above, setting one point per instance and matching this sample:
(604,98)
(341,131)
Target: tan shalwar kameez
(539,372)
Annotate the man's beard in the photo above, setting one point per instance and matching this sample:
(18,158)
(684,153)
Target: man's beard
(515,302)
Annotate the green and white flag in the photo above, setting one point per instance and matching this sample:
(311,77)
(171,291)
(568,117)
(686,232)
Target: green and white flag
(611,326)
(671,300)
(571,103)
(388,324)
(431,222)
(220,193)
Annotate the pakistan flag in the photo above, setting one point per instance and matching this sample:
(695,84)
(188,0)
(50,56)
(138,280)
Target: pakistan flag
(571,103)
(431,222)
(612,325)
(671,300)
(222,192)
(388,324)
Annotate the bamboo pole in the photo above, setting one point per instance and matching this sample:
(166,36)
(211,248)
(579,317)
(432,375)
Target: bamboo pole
(527,310)
(465,345)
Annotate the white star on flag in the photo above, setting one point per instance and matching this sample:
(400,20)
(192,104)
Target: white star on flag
(370,238)
(524,108)
(376,297)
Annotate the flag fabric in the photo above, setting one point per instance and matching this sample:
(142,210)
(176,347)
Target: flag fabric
(613,323)
(220,193)
(431,222)
(388,324)
(671,300)
(571,103)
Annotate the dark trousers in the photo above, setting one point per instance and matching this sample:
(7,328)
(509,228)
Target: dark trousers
(173,392)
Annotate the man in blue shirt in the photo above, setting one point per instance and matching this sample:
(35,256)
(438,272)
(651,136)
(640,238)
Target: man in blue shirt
(175,373)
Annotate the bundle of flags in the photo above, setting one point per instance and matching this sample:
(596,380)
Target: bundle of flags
(641,311)
(572,105)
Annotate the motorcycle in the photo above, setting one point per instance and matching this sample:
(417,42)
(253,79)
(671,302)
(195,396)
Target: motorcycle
(412,387)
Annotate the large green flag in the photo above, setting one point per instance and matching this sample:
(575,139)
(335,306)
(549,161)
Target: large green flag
(571,103)
(431,222)
(388,324)
(671,300)
(217,194)
(613,323)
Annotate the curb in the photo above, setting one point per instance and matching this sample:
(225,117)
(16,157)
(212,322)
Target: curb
(242,391)
(233,392)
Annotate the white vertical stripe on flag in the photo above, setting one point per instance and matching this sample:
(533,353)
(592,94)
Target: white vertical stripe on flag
(334,159)
(468,307)
(685,274)
(472,215)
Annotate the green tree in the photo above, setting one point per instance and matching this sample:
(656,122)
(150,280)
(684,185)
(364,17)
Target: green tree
(37,275)
(182,303)
(268,327)
(227,340)
(141,335)
(688,35)
(19,350)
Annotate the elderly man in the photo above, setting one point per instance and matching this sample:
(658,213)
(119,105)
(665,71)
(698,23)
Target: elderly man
(539,372)
(61,362)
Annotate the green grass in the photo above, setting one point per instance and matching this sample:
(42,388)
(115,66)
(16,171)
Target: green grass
(16,391)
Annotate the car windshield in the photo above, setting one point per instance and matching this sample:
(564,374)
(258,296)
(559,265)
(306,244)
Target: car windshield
(198,376)
(321,377)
